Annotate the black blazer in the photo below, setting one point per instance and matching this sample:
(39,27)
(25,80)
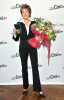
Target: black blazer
(23,36)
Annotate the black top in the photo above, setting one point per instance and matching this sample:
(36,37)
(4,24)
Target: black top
(23,36)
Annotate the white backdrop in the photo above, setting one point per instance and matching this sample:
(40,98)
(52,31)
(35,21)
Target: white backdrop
(10,64)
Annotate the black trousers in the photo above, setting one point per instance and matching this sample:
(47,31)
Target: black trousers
(34,62)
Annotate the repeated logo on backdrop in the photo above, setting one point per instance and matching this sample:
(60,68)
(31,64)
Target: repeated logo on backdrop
(58,31)
(3,18)
(56,7)
(3,42)
(16,77)
(15,55)
(3,65)
(53,54)
(52,76)
(16,6)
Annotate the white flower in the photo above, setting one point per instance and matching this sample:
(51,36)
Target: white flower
(42,24)
(42,27)
(50,31)
(47,33)
(37,29)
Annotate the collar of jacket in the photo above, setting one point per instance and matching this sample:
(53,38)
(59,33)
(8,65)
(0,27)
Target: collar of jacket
(22,20)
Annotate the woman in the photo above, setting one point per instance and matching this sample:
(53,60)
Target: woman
(25,49)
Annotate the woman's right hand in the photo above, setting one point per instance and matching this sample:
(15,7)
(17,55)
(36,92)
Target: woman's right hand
(14,31)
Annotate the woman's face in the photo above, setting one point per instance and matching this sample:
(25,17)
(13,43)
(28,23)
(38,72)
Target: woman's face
(25,13)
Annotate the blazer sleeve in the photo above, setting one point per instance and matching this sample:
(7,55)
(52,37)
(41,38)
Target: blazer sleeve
(15,38)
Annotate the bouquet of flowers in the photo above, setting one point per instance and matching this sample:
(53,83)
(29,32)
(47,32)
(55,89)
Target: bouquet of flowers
(45,31)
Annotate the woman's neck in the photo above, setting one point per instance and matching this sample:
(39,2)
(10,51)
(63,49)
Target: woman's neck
(27,21)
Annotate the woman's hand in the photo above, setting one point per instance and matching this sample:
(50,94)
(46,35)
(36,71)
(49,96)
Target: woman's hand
(38,38)
(14,31)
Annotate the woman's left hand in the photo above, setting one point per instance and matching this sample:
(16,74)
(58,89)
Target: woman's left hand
(38,38)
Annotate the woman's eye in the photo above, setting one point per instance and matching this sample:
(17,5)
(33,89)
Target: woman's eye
(26,11)
(22,12)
